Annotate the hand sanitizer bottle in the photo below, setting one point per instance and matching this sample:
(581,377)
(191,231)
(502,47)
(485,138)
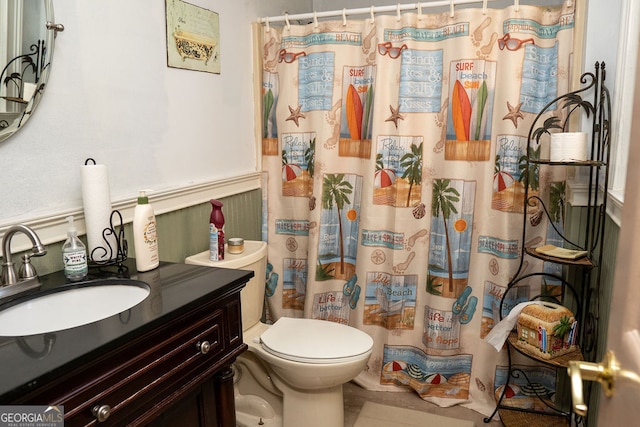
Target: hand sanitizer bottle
(74,255)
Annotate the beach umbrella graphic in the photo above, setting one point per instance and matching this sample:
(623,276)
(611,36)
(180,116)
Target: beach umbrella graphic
(384,178)
(395,365)
(435,379)
(502,181)
(290,172)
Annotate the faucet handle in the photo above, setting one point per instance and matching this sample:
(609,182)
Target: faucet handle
(8,269)
(27,270)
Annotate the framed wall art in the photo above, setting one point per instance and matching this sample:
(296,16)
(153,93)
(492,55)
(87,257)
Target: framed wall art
(193,37)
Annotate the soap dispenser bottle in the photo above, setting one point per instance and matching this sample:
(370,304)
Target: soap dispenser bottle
(145,239)
(216,233)
(74,255)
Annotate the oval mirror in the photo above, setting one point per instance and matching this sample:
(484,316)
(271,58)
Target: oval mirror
(27,33)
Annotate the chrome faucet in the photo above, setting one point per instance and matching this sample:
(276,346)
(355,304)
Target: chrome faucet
(27,273)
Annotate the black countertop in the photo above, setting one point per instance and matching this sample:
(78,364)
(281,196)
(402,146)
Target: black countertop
(27,362)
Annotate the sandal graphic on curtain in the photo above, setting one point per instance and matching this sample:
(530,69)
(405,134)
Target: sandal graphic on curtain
(469,309)
(347,289)
(271,281)
(461,301)
(353,301)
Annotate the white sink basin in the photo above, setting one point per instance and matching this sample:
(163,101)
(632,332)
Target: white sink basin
(71,306)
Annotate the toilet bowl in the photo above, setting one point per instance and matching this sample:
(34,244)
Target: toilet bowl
(293,373)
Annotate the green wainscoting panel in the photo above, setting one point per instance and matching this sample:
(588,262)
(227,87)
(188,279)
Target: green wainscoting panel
(182,232)
(575,223)
(186,231)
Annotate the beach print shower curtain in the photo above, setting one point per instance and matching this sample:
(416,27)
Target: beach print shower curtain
(393,152)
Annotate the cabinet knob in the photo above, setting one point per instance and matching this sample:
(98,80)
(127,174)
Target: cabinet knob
(204,347)
(101,412)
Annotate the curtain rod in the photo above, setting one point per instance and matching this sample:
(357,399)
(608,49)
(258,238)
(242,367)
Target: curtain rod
(373,9)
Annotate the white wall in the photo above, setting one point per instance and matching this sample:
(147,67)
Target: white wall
(112,97)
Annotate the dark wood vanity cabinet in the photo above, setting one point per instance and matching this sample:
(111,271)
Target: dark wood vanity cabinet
(177,373)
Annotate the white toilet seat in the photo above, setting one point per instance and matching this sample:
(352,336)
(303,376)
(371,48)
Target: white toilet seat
(315,341)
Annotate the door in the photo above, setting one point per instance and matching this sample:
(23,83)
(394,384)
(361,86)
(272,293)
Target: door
(623,336)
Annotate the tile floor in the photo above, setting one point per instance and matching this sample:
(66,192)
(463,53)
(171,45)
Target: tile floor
(355,396)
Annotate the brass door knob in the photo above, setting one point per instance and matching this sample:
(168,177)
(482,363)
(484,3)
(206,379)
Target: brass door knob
(605,372)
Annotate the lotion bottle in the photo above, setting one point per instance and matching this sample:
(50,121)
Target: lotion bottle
(74,255)
(145,238)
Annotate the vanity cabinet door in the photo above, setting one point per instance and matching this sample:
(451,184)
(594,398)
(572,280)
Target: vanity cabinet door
(180,369)
(196,409)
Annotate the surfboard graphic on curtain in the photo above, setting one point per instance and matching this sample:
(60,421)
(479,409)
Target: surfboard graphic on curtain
(270,91)
(471,93)
(357,111)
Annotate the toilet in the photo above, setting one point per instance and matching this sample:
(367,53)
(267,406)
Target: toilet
(293,373)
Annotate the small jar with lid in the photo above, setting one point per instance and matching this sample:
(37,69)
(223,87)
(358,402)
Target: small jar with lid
(235,245)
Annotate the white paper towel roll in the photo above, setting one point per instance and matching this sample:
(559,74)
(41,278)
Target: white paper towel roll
(568,147)
(96,199)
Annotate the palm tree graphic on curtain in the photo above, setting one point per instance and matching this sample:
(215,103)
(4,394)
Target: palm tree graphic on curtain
(531,179)
(309,156)
(443,201)
(335,191)
(412,162)
(556,202)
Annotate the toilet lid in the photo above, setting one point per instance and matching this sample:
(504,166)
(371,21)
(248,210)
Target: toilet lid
(315,341)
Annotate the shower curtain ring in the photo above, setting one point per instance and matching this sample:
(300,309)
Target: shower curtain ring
(315,19)
(419,11)
(286,20)
(267,24)
(484,7)
(372,17)
(398,13)
(516,3)
(453,12)
(344,17)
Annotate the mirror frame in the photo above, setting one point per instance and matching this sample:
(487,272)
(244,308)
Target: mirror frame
(51,29)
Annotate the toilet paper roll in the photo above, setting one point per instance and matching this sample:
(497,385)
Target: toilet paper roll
(96,199)
(568,147)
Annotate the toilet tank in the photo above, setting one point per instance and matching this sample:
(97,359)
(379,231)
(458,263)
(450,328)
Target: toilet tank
(253,258)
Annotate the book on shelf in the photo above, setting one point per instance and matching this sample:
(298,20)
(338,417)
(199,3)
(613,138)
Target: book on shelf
(554,251)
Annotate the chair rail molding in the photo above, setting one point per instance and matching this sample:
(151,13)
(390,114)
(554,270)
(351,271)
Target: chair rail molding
(53,228)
